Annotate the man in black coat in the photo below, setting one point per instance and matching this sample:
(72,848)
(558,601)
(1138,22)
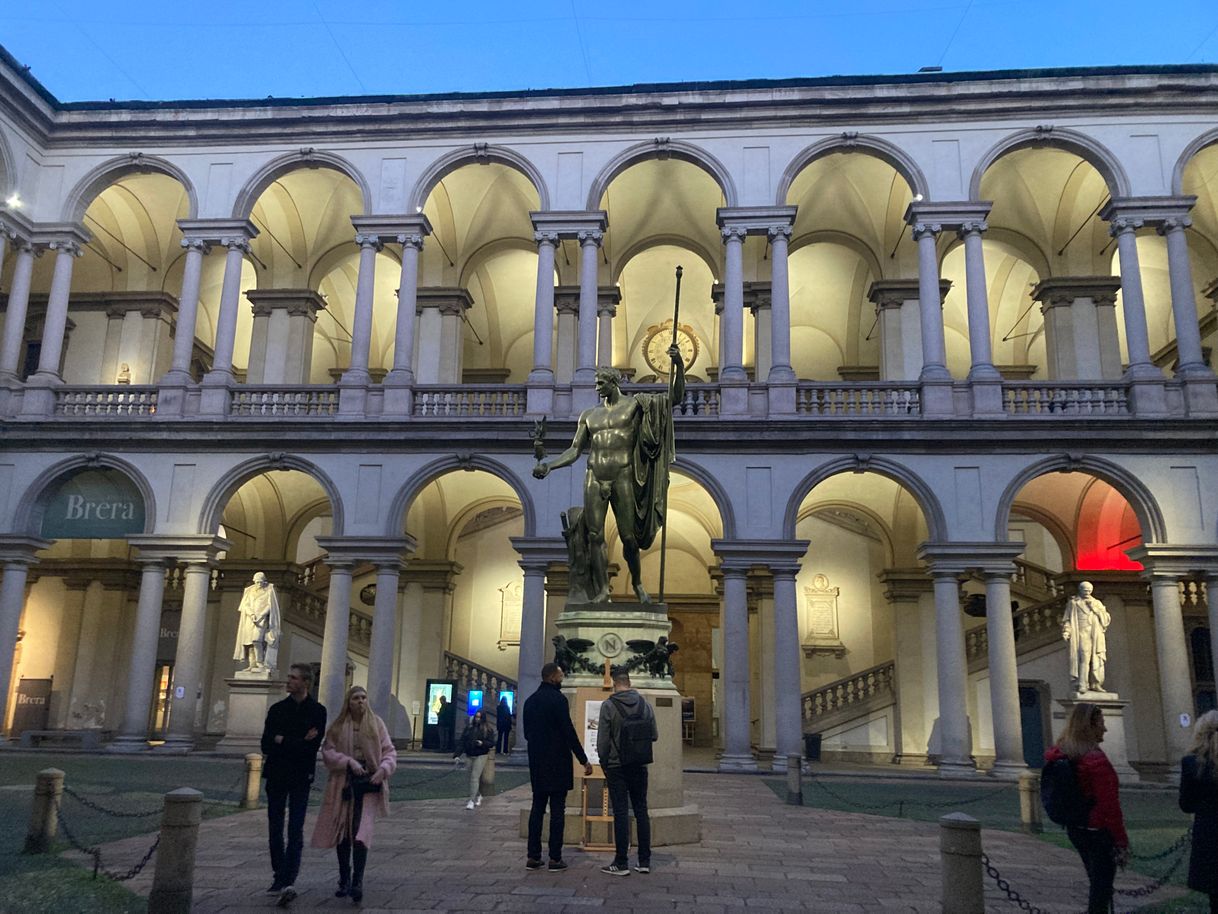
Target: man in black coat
(552,739)
(290,740)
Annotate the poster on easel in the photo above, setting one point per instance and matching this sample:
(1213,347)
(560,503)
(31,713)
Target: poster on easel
(592,716)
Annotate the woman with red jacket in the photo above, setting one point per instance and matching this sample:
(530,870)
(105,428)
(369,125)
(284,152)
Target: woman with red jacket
(1103,844)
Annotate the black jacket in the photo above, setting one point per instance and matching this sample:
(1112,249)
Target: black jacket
(294,759)
(552,740)
(475,741)
(503,717)
(1199,795)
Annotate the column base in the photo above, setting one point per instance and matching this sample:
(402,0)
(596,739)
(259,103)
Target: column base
(957,769)
(1201,396)
(215,397)
(171,399)
(1147,396)
(1007,771)
(938,397)
(399,399)
(583,396)
(737,762)
(39,396)
(734,398)
(987,397)
(352,399)
(781,396)
(175,745)
(539,398)
(128,744)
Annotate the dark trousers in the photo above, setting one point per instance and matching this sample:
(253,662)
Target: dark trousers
(292,797)
(1099,859)
(501,744)
(628,783)
(558,811)
(344,847)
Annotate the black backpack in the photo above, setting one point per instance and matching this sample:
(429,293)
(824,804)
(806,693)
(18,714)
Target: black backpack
(635,737)
(1062,795)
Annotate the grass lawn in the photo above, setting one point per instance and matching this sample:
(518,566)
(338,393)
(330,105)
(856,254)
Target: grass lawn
(47,883)
(1153,820)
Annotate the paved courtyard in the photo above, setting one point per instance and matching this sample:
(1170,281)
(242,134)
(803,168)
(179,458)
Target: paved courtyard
(756,853)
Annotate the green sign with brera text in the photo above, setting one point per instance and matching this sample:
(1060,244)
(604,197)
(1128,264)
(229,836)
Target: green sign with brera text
(93,504)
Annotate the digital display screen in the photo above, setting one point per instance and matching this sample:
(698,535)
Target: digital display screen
(511,700)
(474,702)
(434,691)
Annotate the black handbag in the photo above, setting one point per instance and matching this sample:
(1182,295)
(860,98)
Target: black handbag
(358,785)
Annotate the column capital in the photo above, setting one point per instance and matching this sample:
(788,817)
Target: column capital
(946,213)
(447,300)
(191,549)
(67,246)
(566,299)
(1125,213)
(538,552)
(892,293)
(1158,559)
(15,226)
(921,230)
(774,232)
(731,233)
(972,227)
(755,220)
(607,300)
(21,550)
(294,301)
(1063,290)
(408,240)
(348,550)
(960,558)
(1174,224)
(61,237)
(194,243)
(569,223)
(368,241)
(392,228)
(904,584)
(546,237)
(219,231)
(743,554)
(594,238)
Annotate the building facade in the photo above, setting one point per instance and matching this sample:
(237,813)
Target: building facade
(947,339)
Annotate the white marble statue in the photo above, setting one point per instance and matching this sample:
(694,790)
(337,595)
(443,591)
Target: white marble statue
(1083,625)
(259,627)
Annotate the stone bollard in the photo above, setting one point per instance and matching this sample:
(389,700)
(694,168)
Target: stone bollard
(486,785)
(174,879)
(1029,802)
(253,780)
(795,786)
(44,815)
(960,859)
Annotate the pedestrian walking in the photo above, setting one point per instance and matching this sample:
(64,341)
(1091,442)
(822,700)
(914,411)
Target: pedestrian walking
(290,738)
(625,732)
(1199,796)
(446,716)
(1101,843)
(359,756)
(503,724)
(475,744)
(552,741)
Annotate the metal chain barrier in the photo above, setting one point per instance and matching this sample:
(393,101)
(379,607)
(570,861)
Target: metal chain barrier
(1183,840)
(95,854)
(901,804)
(1005,887)
(1152,887)
(97,807)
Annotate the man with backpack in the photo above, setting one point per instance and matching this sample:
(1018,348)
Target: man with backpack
(624,736)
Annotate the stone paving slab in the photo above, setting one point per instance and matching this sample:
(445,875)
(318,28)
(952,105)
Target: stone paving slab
(757,854)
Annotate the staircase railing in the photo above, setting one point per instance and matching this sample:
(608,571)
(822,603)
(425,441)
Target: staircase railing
(1036,626)
(472,676)
(859,693)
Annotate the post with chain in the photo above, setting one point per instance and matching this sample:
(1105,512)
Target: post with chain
(253,780)
(960,859)
(1029,802)
(174,878)
(795,784)
(44,815)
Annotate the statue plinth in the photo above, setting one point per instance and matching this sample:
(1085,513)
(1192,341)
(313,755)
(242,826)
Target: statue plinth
(265,674)
(250,695)
(1114,744)
(610,627)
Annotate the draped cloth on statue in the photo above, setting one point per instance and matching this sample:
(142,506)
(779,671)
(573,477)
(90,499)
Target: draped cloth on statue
(259,619)
(654,452)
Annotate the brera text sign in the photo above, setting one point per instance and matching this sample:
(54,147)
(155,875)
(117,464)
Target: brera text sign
(93,504)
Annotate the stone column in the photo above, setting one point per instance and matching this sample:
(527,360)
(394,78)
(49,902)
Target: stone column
(334,638)
(566,307)
(934,355)
(361,328)
(787,683)
(384,637)
(188,658)
(955,746)
(1191,363)
(1171,654)
(452,339)
(408,286)
(17,554)
(66,252)
(606,311)
(763,320)
(543,310)
(141,659)
(780,307)
(230,299)
(1004,675)
(732,322)
(188,310)
(980,350)
(1211,594)
(532,634)
(589,257)
(734,623)
(281,346)
(18,304)
(1125,230)
(896,303)
(1081,340)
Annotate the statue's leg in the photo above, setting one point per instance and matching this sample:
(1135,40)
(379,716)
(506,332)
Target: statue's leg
(622,500)
(596,508)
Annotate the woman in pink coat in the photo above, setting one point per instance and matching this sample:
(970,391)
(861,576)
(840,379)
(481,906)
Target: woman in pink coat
(359,757)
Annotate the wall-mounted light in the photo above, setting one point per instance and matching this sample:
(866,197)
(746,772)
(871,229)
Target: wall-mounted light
(917,198)
(418,209)
(14,201)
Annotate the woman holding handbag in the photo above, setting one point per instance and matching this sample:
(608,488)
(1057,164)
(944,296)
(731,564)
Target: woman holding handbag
(476,742)
(359,757)
(1199,796)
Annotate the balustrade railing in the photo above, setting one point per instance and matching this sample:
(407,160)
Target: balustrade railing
(1063,398)
(1035,626)
(121,400)
(878,683)
(858,399)
(469,400)
(470,676)
(1033,577)
(284,401)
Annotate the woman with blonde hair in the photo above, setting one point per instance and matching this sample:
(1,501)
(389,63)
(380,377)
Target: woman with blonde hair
(1199,795)
(359,757)
(1102,842)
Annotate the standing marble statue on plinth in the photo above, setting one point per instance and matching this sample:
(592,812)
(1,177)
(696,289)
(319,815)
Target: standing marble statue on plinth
(1084,624)
(259,627)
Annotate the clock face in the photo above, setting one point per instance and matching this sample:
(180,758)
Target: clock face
(657,341)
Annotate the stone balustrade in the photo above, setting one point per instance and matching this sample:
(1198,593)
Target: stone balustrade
(849,693)
(1060,398)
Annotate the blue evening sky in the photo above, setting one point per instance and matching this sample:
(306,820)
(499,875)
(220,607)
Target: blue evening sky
(100,49)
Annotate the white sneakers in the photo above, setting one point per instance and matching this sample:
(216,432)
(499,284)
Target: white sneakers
(478,800)
(469,804)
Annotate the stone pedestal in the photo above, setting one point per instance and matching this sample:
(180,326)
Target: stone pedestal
(1114,744)
(250,696)
(610,627)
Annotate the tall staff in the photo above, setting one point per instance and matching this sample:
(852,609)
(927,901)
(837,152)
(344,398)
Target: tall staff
(676,313)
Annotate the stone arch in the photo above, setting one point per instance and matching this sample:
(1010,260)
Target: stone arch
(898,158)
(305,158)
(105,174)
(221,493)
(1209,138)
(1091,151)
(663,149)
(410,490)
(1150,518)
(884,530)
(462,517)
(718,494)
(923,494)
(680,241)
(27,518)
(479,154)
